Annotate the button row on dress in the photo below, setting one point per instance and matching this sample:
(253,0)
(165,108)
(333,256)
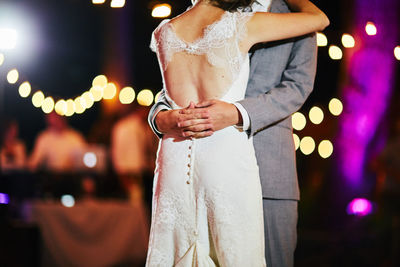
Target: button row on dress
(189,165)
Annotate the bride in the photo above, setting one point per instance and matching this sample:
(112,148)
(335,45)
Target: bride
(207,204)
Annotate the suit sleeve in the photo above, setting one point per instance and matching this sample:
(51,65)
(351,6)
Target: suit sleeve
(162,104)
(290,94)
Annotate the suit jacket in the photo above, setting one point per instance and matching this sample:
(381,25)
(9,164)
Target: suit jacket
(281,78)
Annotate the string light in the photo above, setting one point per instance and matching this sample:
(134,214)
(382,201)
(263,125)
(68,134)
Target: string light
(316,115)
(97,2)
(48,105)
(12,76)
(325,149)
(335,106)
(89,99)
(117,3)
(348,41)
(370,28)
(335,52)
(127,95)
(161,11)
(296,141)
(298,121)
(157,96)
(70,108)
(61,107)
(307,145)
(321,39)
(109,91)
(37,99)
(145,97)
(24,89)
(396,52)
(79,106)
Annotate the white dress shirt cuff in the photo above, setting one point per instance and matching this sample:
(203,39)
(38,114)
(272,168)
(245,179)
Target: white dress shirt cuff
(159,108)
(245,117)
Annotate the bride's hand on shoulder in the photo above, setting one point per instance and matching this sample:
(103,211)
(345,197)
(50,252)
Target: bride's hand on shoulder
(305,18)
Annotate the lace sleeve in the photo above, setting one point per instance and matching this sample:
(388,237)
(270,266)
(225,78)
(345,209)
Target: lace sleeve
(154,39)
(153,43)
(241,27)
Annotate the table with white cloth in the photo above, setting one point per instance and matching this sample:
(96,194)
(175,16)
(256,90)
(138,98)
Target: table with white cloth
(91,233)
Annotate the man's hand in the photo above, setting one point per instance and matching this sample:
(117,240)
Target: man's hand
(168,122)
(219,115)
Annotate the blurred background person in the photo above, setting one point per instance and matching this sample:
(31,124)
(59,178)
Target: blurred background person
(13,151)
(131,141)
(56,147)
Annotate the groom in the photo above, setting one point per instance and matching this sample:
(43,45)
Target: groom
(281,78)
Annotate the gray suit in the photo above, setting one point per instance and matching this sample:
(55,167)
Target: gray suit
(281,78)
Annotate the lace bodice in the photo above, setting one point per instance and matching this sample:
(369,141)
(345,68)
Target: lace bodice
(219,43)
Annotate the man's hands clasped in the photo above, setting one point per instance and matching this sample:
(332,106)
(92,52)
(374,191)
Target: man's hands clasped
(198,120)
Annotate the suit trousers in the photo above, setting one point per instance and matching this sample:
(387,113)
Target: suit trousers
(280,223)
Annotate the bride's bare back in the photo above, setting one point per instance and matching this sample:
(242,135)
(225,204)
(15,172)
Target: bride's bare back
(200,56)
(201,51)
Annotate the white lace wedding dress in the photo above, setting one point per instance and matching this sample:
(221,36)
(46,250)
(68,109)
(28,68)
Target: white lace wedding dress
(207,203)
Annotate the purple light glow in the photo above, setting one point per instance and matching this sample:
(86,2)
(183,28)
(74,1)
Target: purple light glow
(359,207)
(370,76)
(4,199)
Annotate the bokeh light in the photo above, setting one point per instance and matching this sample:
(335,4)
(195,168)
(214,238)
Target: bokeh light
(12,76)
(321,39)
(335,52)
(110,91)
(4,199)
(325,149)
(24,89)
(96,2)
(296,140)
(316,115)
(307,145)
(37,99)
(1,59)
(79,106)
(157,96)
(335,106)
(298,121)
(348,41)
(100,80)
(97,92)
(70,108)
(48,105)
(161,11)
(396,52)
(117,3)
(8,38)
(145,97)
(61,107)
(68,201)
(370,28)
(127,95)
(359,207)
(90,159)
(89,99)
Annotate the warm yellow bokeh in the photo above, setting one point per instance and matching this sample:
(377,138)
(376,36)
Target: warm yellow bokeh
(396,52)
(127,95)
(335,52)
(61,107)
(145,97)
(117,3)
(97,93)
(79,105)
(89,99)
(24,89)
(370,28)
(48,105)
(109,91)
(348,40)
(12,76)
(335,106)
(321,39)
(325,149)
(296,140)
(161,11)
(100,80)
(70,108)
(316,115)
(307,145)
(298,121)
(37,99)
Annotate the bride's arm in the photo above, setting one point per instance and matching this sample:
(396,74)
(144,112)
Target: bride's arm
(306,18)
